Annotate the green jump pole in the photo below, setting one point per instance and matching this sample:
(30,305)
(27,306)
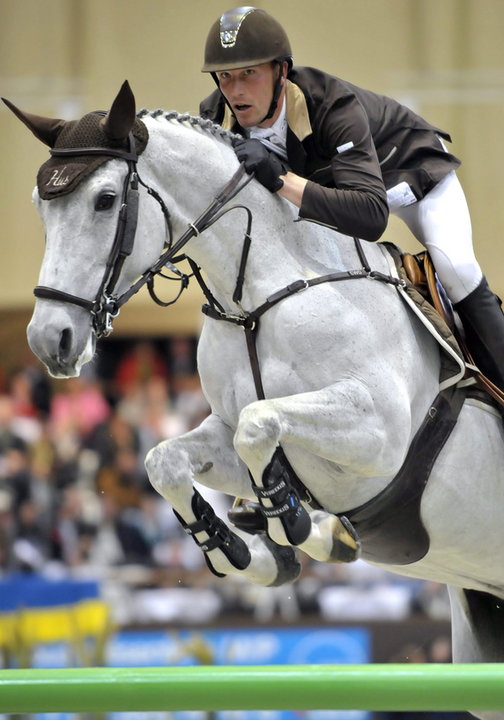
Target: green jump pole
(277,687)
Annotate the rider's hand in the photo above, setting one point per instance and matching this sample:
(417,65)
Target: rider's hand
(266,166)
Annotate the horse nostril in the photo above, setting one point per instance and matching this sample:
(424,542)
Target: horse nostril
(65,344)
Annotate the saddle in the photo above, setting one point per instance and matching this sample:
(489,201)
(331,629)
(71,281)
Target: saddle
(420,272)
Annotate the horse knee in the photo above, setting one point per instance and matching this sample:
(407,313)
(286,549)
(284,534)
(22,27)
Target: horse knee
(154,463)
(258,431)
(167,474)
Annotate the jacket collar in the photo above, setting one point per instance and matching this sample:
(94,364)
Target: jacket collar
(297,111)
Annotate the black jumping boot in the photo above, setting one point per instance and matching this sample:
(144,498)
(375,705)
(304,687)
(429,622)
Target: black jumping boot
(483,321)
(279,487)
(219,535)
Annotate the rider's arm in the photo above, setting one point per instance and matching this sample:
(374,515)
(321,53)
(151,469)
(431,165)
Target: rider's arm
(355,203)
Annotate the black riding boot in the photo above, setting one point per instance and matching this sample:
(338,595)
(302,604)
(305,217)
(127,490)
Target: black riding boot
(483,321)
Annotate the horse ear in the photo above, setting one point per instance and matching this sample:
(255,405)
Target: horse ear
(45,129)
(117,124)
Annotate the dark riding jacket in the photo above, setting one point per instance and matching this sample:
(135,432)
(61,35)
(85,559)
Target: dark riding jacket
(352,145)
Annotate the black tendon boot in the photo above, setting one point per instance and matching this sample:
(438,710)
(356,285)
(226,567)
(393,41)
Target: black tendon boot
(483,321)
(279,480)
(219,535)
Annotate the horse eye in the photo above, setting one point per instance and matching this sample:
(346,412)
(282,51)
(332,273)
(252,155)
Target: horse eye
(104,202)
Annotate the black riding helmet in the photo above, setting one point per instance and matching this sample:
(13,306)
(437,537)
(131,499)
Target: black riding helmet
(243,37)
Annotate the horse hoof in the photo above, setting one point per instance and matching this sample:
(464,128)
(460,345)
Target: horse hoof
(248,518)
(346,544)
(288,565)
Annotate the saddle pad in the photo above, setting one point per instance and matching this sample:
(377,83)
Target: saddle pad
(453,367)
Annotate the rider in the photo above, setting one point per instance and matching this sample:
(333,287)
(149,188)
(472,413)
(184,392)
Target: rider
(346,157)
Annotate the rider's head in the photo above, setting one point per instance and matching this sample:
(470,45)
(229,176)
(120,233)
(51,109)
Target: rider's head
(248,54)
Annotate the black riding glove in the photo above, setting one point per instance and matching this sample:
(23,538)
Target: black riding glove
(266,166)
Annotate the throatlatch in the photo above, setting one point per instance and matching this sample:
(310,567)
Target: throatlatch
(219,535)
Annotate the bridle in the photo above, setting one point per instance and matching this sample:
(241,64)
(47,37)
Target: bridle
(107,304)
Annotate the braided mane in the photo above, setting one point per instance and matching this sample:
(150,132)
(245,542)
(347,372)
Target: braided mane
(193,121)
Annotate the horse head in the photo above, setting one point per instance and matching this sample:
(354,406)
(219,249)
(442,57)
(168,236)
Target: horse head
(104,229)
(87,197)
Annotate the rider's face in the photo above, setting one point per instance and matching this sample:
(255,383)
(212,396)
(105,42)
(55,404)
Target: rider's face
(249,92)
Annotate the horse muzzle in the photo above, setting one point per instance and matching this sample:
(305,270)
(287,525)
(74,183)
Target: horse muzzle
(62,342)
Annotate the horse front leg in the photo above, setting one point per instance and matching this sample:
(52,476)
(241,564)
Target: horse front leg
(206,455)
(340,424)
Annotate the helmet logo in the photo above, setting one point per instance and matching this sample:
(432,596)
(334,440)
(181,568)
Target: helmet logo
(230,23)
(228,37)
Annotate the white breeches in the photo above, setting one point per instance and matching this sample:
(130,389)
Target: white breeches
(441,222)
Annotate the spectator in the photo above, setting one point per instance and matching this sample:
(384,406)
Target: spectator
(137,366)
(78,407)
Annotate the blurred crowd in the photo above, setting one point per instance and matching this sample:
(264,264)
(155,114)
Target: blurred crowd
(75,499)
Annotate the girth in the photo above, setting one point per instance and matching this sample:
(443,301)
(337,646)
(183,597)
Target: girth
(389,525)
